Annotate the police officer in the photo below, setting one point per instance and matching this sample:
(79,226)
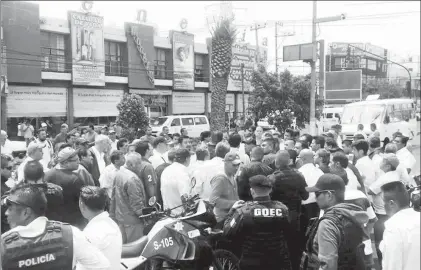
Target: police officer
(259,227)
(36,243)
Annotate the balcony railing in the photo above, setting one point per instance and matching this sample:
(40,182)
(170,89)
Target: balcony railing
(114,68)
(161,71)
(54,60)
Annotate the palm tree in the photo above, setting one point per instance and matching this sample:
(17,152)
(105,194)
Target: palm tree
(223,37)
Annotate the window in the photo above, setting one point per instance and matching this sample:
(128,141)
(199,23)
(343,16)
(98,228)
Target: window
(199,67)
(175,122)
(113,58)
(371,65)
(187,121)
(160,64)
(200,121)
(53,52)
(339,62)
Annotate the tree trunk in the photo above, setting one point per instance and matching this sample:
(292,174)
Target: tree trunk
(219,91)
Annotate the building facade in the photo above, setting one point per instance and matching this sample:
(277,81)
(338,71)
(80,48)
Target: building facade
(77,70)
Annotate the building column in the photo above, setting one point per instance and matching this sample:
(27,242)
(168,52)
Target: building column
(70,107)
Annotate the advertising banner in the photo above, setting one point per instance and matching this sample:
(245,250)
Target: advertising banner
(31,101)
(187,102)
(246,54)
(341,49)
(87,37)
(104,101)
(375,52)
(183,59)
(343,86)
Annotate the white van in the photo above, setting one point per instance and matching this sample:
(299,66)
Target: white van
(389,115)
(330,117)
(195,124)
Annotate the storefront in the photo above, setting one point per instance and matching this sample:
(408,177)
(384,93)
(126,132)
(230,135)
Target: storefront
(188,103)
(156,101)
(38,104)
(95,106)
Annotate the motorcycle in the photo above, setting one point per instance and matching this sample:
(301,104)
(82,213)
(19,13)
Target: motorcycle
(178,242)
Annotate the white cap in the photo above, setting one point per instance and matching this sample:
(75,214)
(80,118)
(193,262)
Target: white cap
(43,124)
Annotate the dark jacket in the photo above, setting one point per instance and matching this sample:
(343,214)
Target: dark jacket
(252,169)
(260,228)
(340,231)
(158,172)
(95,169)
(148,176)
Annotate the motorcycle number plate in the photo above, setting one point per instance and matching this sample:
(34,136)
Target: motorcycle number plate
(194,233)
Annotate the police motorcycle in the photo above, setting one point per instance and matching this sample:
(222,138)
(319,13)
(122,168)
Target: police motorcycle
(178,242)
(415,195)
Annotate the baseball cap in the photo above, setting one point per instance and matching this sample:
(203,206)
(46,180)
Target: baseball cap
(328,181)
(33,146)
(260,181)
(64,126)
(66,154)
(232,157)
(43,124)
(36,199)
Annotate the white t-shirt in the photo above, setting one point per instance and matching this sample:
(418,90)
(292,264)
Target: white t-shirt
(367,169)
(375,187)
(311,175)
(406,158)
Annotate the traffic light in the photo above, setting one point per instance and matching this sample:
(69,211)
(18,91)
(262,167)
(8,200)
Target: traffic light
(408,88)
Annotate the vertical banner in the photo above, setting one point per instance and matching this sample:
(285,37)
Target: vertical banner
(241,54)
(183,58)
(87,37)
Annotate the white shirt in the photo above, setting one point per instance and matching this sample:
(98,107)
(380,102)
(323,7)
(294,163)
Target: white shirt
(401,241)
(196,166)
(175,182)
(7,148)
(158,159)
(105,234)
(47,152)
(245,160)
(367,170)
(100,159)
(378,203)
(114,145)
(84,253)
(204,176)
(107,177)
(352,179)
(311,175)
(406,158)
(21,167)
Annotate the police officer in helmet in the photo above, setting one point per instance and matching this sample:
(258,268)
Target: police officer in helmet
(259,227)
(36,243)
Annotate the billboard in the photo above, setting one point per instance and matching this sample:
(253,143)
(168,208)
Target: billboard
(87,37)
(141,52)
(183,59)
(103,100)
(341,49)
(298,52)
(343,86)
(375,52)
(242,54)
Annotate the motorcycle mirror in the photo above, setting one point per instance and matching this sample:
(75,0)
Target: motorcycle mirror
(152,201)
(193,182)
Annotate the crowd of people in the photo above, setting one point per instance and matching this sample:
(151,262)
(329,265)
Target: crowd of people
(286,201)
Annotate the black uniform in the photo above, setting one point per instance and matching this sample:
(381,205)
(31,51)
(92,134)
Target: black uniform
(259,227)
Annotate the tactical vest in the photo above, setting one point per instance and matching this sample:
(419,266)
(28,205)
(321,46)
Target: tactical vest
(51,250)
(350,251)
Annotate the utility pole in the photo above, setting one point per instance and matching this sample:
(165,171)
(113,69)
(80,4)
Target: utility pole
(313,73)
(316,20)
(242,89)
(256,28)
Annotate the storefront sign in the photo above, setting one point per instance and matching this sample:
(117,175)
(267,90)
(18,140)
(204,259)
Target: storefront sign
(87,37)
(143,57)
(36,101)
(375,52)
(183,58)
(188,102)
(241,54)
(229,102)
(151,92)
(341,49)
(240,102)
(96,102)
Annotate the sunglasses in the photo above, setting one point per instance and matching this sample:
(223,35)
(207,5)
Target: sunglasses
(8,168)
(318,193)
(8,202)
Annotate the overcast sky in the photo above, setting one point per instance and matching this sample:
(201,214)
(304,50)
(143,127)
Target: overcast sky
(394,25)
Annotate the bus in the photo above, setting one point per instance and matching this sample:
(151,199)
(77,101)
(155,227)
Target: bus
(389,115)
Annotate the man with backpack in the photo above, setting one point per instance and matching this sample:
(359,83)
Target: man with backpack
(335,241)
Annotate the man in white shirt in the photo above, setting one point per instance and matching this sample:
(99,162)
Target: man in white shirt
(107,178)
(175,181)
(98,150)
(210,169)
(160,155)
(389,164)
(6,148)
(311,175)
(405,157)
(25,214)
(234,142)
(401,239)
(364,164)
(34,152)
(361,131)
(202,155)
(101,230)
(48,149)
(401,170)
(113,138)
